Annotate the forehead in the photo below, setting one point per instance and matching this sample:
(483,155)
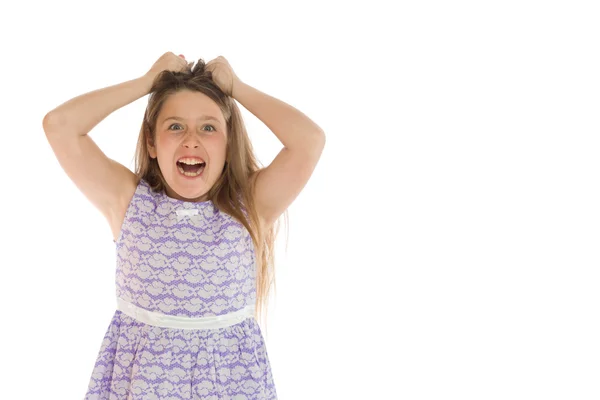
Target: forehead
(190,105)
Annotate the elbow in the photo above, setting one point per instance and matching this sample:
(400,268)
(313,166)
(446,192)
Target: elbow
(321,136)
(51,121)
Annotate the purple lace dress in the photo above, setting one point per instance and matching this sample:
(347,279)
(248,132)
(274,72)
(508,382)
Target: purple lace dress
(194,263)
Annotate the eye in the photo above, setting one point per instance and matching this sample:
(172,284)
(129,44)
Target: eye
(213,128)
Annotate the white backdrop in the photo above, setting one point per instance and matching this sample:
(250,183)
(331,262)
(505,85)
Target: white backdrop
(446,245)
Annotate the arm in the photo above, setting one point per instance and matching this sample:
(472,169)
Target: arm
(294,129)
(107,184)
(276,186)
(81,114)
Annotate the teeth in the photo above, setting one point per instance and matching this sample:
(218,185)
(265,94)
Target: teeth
(190,173)
(190,161)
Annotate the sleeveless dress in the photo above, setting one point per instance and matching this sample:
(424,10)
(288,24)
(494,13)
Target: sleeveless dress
(198,262)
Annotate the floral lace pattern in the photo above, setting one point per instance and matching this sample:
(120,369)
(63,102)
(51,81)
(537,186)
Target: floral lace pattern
(190,260)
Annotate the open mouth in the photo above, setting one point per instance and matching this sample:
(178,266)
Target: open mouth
(190,170)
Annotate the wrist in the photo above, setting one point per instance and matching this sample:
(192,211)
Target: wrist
(147,80)
(236,87)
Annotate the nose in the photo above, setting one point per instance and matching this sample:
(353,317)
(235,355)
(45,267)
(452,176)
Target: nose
(188,143)
(191,140)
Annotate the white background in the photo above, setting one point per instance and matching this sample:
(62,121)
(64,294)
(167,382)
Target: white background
(446,246)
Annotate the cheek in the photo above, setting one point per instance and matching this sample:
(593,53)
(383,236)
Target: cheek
(166,144)
(216,146)
(164,152)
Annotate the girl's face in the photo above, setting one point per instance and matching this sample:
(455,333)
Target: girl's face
(193,133)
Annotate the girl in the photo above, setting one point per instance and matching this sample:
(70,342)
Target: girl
(193,228)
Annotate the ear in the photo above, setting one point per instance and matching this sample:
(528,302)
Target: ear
(151,151)
(151,148)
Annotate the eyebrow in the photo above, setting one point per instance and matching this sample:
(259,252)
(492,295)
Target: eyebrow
(205,118)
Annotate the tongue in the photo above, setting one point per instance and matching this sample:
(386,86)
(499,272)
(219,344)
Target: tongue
(191,168)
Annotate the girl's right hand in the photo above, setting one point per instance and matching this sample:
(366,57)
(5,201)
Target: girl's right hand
(170,62)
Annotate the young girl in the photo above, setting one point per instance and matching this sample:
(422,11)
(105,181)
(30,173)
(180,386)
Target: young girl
(193,228)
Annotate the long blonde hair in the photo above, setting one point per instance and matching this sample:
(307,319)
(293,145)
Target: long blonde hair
(231,193)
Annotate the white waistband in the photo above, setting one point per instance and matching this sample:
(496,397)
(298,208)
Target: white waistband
(171,321)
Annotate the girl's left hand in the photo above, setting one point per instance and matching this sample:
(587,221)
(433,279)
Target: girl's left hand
(222,74)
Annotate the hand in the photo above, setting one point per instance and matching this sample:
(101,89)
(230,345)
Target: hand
(169,62)
(222,74)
